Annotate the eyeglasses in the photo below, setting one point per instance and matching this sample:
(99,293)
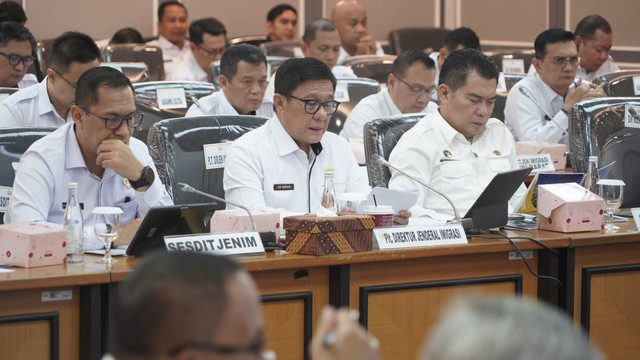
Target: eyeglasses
(254,348)
(63,78)
(212,53)
(416,89)
(311,106)
(113,123)
(15,59)
(562,61)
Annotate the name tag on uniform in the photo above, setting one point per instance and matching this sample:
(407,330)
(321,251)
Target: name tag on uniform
(513,66)
(282,187)
(171,98)
(215,155)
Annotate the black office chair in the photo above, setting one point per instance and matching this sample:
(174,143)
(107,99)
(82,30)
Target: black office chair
(42,53)
(597,127)
(618,83)
(254,40)
(176,146)
(273,63)
(135,71)
(511,54)
(371,67)
(147,101)
(13,143)
(279,48)
(148,54)
(358,90)
(380,137)
(420,38)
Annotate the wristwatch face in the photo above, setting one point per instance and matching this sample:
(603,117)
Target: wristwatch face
(147,178)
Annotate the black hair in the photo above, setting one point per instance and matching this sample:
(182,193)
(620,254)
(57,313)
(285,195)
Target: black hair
(588,26)
(278,10)
(315,26)
(164,5)
(210,26)
(11,11)
(551,36)
(10,30)
(127,36)
(93,79)
(462,36)
(243,52)
(460,63)
(294,72)
(407,58)
(72,46)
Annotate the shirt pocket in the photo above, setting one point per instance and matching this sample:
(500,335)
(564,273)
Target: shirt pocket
(129,211)
(499,164)
(455,174)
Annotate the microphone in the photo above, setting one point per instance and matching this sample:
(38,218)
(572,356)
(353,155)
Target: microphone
(546,114)
(195,101)
(188,188)
(634,113)
(466,223)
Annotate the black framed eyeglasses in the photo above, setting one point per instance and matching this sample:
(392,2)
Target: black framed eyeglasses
(113,123)
(15,59)
(255,348)
(63,78)
(212,53)
(416,89)
(311,106)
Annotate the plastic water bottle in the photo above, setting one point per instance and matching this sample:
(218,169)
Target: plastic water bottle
(73,224)
(593,176)
(329,192)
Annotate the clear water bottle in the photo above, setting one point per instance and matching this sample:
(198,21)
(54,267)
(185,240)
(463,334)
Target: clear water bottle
(591,181)
(73,224)
(329,192)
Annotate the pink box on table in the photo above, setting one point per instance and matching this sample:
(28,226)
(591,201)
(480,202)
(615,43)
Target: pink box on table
(558,152)
(569,208)
(237,220)
(30,244)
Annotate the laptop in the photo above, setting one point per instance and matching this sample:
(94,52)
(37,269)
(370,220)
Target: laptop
(170,220)
(491,209)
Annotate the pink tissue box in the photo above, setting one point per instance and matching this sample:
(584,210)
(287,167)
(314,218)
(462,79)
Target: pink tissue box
(30,244)
(569,208)
(558,152)
(237,220)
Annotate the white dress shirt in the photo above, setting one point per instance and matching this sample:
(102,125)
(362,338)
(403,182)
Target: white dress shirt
(40,186)
(451,165)
(28,80)
(606,67)
(435,56)
(265,168)
(217,104)
(526,121)
(187,69)
(31,107)
(344,54)
(171,53)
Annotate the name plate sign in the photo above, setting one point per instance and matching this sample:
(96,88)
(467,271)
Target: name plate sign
(636,85)
(218,244)
(636,216)
(419,236)
(540,162)
(513,66)
(5,195)
(215,155)
(631,119)
(171,98)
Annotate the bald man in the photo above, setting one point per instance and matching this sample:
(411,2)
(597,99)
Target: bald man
(350,18)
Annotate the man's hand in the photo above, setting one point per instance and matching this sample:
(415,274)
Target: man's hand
(366,45)
(127,232)
(113,153)
(340,337)
(402,218)
(583,92)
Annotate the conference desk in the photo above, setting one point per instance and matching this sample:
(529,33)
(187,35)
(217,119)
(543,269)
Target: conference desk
(399,293)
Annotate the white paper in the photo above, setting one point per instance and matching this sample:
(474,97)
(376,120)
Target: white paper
(513,66)
(171,98)
(342,92)
(502,84)
(215,155)
(398,199)
(636,85)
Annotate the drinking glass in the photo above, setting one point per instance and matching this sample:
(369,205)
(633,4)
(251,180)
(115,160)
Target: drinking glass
(611,192)
(107,228)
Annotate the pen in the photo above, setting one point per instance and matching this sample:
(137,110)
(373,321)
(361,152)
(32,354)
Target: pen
(575,84)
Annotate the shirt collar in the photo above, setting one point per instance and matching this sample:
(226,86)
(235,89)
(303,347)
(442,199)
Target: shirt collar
(547,92)
(284,142)
(389,101)
(448,132)
(164,42)
(74,157)
(44,102)
(225,105)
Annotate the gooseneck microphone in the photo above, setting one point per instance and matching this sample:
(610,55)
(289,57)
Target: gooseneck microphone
(188,188)
(547,116)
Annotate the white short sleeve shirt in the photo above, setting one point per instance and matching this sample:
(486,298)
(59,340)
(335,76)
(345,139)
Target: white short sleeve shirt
(217,104)
(31,107)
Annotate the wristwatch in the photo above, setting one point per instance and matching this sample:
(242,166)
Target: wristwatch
(146,179)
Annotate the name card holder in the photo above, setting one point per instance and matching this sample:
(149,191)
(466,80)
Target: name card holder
(513,66)
(636,216)
(629,119)
(636,85)
(215,155)
(173,98)
(5,195)
(243,243)
(539,162)
(419,236)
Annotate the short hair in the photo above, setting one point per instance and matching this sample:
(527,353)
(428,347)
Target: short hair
(171,300)
(12,31)
(315,26)
(407,58)
(506,328)
(460,63)
(127,36)
(462,36)
(164,5)
(11,11)
(588,26)
(210,25)
(551,36)
(243,52)
(278,10)
(72,46)
(93,79)
(294,72)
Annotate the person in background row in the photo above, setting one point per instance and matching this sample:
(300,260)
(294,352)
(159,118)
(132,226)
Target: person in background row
(350,18)
(208,40)
(11,11)
(243,78)
(172,26)
(127,36)
(282,21)
(594,39)
(16,49)
(49,102)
